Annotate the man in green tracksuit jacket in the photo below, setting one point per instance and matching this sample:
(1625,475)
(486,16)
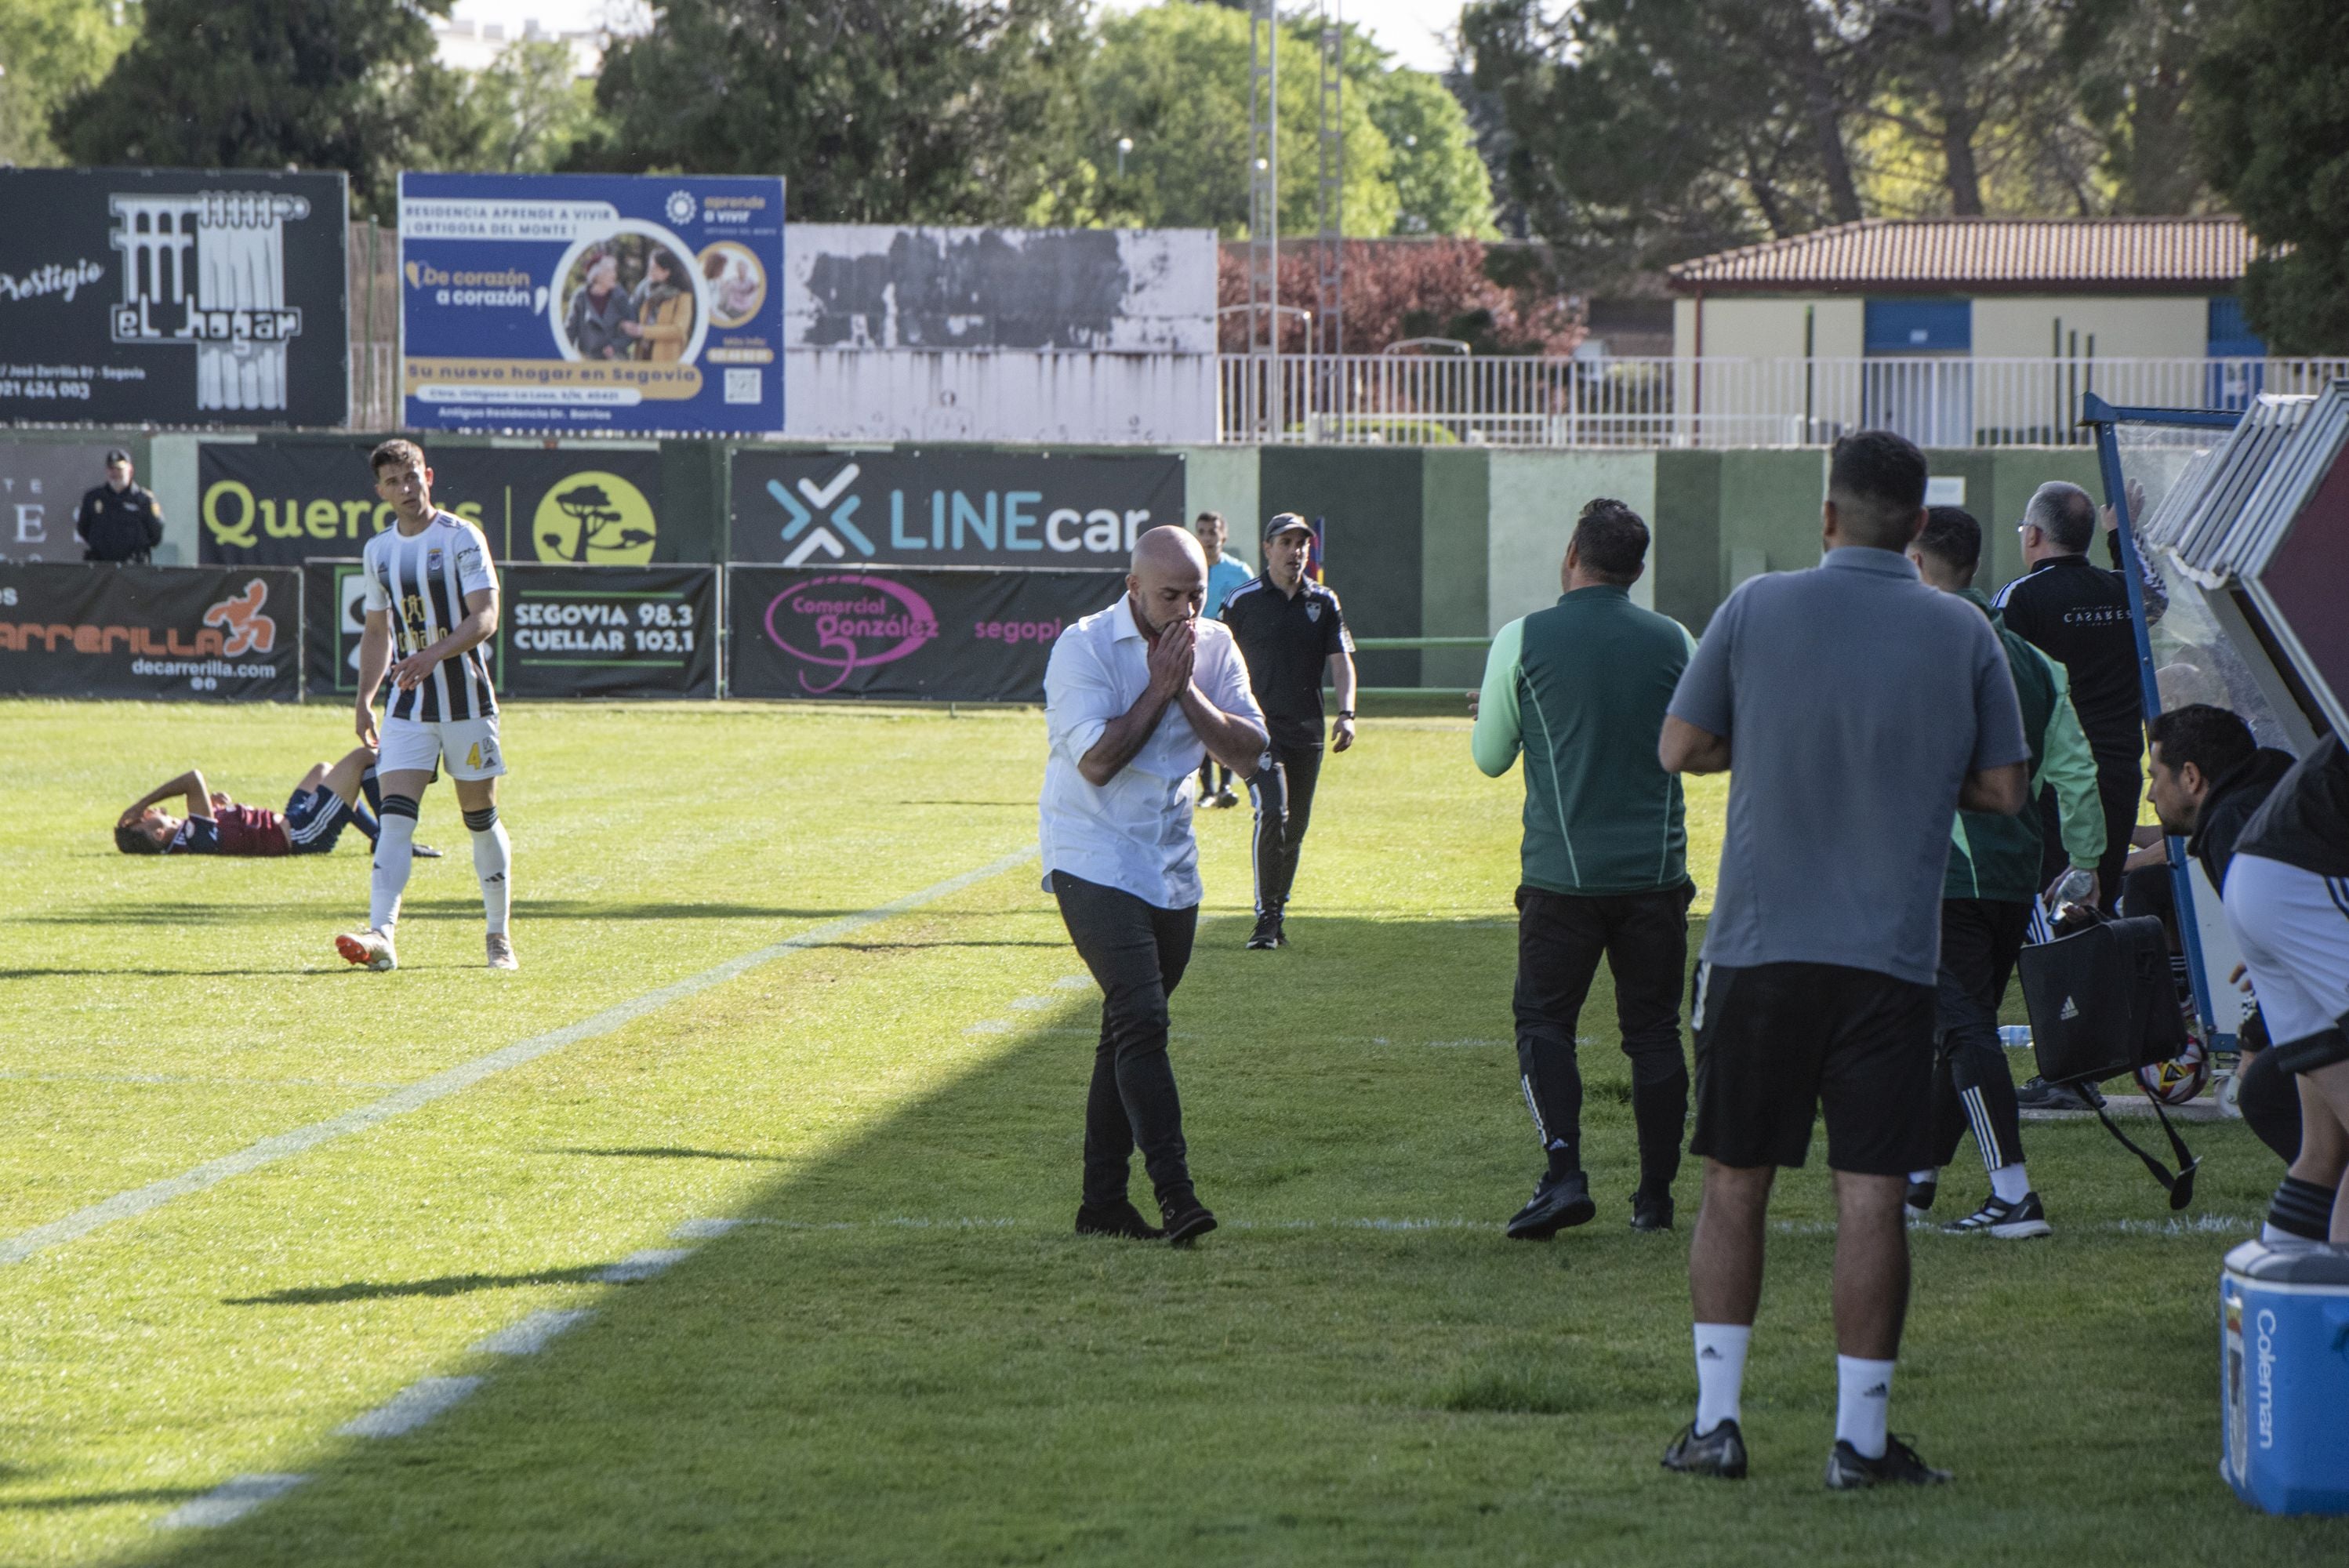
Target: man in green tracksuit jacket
(1987,898)
(1581,688)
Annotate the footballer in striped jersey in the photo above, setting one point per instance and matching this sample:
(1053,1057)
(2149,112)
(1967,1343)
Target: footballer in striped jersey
(431,608)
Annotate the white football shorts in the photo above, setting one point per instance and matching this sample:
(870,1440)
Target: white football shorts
(467,748)
(2292,926)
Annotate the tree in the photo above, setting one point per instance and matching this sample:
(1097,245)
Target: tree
(522,115)
(2132,66)
(1439,184)
(884,111)
(2271,108)
(49,50)
(262,84)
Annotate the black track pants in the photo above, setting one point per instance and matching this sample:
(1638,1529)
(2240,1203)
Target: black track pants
(1973,1088)
(1283,792)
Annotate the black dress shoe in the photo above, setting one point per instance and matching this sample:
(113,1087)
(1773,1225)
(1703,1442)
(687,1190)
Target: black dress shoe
(1720,1452)
(1651,1211)
(1186,1222)
(1118,1218)
(1557,1203)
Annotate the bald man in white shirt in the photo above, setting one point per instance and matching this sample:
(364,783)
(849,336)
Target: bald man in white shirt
(1135,697)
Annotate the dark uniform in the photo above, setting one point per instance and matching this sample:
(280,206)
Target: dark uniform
(1287,641)
(119,526)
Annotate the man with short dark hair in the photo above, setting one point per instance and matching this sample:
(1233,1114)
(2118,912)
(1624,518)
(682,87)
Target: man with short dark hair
(1987,897)
(118,523)
(1291,631)
(1225,572)
(1581,688)
(1860,710)
(2077,613)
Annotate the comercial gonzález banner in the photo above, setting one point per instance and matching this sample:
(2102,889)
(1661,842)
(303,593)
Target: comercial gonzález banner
(587,303)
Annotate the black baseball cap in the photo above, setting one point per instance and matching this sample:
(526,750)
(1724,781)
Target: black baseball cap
(1283,522)
(116,455)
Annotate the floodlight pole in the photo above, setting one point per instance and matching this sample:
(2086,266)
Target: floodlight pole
(1264,201)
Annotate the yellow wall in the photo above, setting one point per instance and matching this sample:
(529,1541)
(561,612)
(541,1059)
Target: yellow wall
(1743,329)
(2021,326)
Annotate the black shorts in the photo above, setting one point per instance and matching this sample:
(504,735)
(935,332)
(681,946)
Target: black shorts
(1777,1041)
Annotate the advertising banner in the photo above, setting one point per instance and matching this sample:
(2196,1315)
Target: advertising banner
(173,296)
(280,503)
(591,303)
(563,631)
(157,633)
(951,634)
(950,508)
(41,482)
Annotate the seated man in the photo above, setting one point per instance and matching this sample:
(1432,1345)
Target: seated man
(325,799)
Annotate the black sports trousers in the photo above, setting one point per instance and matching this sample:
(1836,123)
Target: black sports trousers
(1283,792)
(2120,787)
(1644,938)
(1972,1086)
(1137,952)
(1207,776)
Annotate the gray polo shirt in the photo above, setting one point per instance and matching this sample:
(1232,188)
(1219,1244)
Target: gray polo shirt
(1856,700)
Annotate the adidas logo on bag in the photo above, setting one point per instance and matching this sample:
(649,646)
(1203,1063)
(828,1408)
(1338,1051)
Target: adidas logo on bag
(2071,1009)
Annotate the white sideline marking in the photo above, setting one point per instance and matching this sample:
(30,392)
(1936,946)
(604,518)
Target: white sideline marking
(643,1265)
(139,1201)
(531,1335)
(229,1501)
(992,1026)
(1034,1004)
(1073,983)
(703,1230)
(1457,1045)
(410,1408)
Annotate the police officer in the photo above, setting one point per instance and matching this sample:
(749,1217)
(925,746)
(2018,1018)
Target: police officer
(118,521)
(1290,630)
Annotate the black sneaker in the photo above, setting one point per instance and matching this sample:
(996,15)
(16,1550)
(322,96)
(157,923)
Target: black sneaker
(1186,1222)
(1558,1201)
(2008,1222)
(1118,1218)
(1721,1452)
(424,851)
(1281,931)
(1226,799)
(1920,1201)
(2040,1097)
(1847,1471)
(1651,1211)
(1266,935)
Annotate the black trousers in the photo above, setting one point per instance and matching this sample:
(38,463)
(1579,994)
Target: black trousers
(1283,792)
(1644,939)
(1972,1086)
(1209,770)
(1137,952)
(2120,787)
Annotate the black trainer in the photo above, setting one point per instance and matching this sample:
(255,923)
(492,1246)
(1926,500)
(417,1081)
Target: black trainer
(2039,1097)
(1848,1471)
(1118,1218)
(1651,1211)
(1720,1452)
(1558,1201)
(1266,935)
(2014,1221)
(1918,1205)
(1187,1221)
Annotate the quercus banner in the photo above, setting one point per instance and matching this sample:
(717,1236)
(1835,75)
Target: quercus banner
(944,634)
(159,633)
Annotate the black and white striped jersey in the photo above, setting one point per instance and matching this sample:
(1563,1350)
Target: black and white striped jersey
(422,579)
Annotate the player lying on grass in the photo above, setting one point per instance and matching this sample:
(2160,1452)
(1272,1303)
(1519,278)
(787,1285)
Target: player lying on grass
(325,800)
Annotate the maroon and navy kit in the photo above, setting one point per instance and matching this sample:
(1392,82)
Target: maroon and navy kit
(232,830)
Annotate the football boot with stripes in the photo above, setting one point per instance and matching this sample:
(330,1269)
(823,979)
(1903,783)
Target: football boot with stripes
(367,949)
(1851,1470)
(1720,1452)
(2016,1221)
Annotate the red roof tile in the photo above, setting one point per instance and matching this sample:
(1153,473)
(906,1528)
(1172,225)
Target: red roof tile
(1985,255)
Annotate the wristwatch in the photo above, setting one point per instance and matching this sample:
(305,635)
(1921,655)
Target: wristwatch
(1345,713)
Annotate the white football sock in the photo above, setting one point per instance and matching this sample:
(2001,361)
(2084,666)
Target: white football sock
(492,855)
(2011,1184)
(1863,1395)
(1929,1178)
(1720,1372)
(395,854)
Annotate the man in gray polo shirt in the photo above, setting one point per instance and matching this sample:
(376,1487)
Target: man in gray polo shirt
(1861,709)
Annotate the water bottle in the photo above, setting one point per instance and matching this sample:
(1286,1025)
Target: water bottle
(2014,1037)
(2075,886)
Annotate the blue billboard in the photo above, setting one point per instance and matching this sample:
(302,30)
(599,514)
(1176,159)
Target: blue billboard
(587,303)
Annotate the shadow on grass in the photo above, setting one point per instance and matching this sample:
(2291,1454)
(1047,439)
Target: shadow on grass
(447,1285)
(666,1153)
(156,1495)
(188,913)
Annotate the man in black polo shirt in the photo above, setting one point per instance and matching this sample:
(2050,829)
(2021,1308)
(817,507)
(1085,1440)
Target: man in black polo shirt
(1289,631)
(2077,613)
(118,521)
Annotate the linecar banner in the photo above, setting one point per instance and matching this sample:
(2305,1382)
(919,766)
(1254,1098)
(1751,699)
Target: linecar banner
(940,635)
(282,502)
(950,508)
(173,296)
(588,302)
(158,633)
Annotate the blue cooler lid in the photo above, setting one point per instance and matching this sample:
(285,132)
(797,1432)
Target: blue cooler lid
(2256,1263)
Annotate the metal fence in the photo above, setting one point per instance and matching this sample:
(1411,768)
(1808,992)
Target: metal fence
(1503,400)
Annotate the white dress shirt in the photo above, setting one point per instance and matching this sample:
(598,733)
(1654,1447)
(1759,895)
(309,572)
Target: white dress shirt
(1132,833)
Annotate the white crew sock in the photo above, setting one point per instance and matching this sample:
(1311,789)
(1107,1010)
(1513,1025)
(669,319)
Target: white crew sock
(1863,1395)
(492,855)
(1929,1178)
(395,854)
(1720,1372)
(2009,1184)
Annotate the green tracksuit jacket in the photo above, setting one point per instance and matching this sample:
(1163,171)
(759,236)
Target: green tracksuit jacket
(1581,688)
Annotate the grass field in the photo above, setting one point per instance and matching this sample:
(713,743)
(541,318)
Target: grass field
(900,1354)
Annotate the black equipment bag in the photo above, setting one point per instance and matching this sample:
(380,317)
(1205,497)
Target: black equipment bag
(2102,1004)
